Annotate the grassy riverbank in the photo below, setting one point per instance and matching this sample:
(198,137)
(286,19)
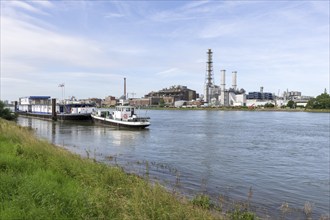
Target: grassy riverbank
(42,181)
(39,180)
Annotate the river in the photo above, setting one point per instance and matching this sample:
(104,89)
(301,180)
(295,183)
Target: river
(263,159)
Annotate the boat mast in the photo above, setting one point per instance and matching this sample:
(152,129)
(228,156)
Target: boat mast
(124,88)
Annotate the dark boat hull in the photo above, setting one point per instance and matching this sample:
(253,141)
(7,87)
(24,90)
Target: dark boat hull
(60,117)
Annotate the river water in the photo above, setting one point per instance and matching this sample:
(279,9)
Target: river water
(261,159)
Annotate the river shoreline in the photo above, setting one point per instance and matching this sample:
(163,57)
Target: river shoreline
(240,109)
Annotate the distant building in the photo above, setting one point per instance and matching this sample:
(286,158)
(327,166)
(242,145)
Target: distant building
(95,101)
(237,99)
(109,101)
(140,101)
(260,96)
(188,104)
(172,94)
(297,97)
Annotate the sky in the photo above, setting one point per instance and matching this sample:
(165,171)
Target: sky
(90,46)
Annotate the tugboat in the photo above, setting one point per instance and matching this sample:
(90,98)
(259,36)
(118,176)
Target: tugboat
(122,116)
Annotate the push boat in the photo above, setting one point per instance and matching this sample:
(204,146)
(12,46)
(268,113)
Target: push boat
(122,116)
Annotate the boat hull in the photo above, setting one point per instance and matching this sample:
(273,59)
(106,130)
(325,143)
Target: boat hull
(60,117)
(118,123)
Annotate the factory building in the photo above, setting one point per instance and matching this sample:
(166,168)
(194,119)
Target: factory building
(141,101)
(297,97)
(260,98)
(109,101)
(172,94)
(219,95)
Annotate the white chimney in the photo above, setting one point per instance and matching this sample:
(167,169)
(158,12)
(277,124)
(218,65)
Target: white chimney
(234,80)
(223,80)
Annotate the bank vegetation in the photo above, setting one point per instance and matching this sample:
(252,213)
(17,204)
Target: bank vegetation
(42,181)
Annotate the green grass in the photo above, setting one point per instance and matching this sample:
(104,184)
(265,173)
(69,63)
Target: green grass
(42,181)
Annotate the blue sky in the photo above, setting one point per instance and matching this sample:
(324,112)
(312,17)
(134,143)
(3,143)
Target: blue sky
(92,45)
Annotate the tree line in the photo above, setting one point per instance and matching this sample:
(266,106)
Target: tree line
(320,102)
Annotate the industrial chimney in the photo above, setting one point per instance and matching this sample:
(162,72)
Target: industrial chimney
(234,80)
(208,76)
(223,87)
(223,80)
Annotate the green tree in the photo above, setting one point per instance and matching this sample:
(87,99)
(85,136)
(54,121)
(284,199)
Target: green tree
(161,103)
(269,105)
(320,102)
(291,104)
(6,113)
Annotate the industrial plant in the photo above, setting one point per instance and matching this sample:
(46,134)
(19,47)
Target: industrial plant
(215,95)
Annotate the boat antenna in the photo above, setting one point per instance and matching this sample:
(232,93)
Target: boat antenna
(124,88)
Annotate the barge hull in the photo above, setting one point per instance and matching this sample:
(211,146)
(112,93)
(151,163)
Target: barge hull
(60,117)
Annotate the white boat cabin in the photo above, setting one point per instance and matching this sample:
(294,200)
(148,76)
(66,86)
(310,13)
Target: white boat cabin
(124,112)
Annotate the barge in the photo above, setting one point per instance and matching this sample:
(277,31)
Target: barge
(47,108)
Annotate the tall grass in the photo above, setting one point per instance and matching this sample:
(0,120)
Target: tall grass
(41,181)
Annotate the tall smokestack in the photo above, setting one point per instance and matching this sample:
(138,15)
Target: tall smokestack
(223,80)
(208,76)
(125,87)
(234,80)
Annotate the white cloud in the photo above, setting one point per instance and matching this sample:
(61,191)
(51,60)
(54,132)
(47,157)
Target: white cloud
(114,15)
(27,43)
(168,72)
(194,4)
(43,3)
(25,6)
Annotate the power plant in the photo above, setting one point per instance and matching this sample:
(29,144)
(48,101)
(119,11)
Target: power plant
(219,95)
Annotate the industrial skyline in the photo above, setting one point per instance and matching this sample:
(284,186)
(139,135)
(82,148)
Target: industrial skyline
(90,46)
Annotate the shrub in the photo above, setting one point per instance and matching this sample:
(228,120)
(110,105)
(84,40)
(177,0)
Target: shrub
(6,113)
(202,201)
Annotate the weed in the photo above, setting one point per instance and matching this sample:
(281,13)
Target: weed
(284,209)
(202,200)
(238,214)
(308,207)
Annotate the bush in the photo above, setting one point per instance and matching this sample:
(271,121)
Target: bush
(242,215)
(269,105)
(202,201)
(5,113)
